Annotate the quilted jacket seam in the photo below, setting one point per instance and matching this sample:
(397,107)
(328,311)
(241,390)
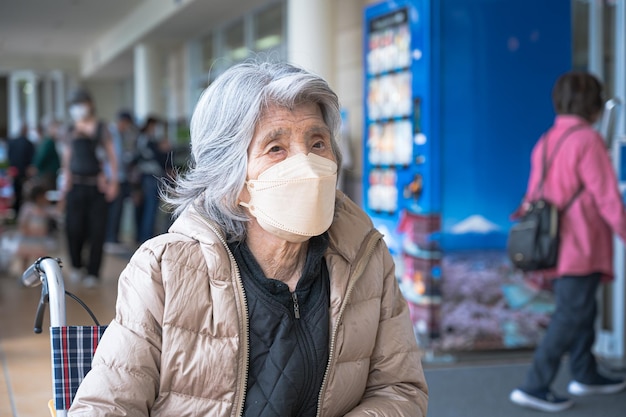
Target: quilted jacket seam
(125,369)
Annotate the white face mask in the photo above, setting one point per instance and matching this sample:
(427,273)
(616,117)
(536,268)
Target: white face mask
(295,199)
(79,112)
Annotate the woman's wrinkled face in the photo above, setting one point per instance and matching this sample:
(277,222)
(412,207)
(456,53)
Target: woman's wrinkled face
(282,133)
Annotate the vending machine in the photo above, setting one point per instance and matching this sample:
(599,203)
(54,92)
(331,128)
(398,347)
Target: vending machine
(456,93)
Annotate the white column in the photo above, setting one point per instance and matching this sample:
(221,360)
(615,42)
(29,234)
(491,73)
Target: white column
(148,70)
(23,103)
(596,39)
(310,36)
(15,116)
(59,98)
(47,99)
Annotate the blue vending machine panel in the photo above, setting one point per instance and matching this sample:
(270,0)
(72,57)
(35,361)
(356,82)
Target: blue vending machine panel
(456,93)
(401,180)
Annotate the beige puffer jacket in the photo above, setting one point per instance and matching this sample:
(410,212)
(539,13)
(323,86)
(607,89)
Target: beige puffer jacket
(178,345)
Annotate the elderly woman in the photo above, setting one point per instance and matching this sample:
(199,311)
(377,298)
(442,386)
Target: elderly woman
(272,294)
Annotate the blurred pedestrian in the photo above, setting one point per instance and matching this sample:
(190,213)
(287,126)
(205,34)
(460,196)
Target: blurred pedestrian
(21,151)
(152,159)
(581,178)
(46,161)
(124,136)
(36,225)
(86,189)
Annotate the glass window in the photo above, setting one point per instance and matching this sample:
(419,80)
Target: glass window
(268,28)
(235,42)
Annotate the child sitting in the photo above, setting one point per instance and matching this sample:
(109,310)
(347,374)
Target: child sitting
(36,222)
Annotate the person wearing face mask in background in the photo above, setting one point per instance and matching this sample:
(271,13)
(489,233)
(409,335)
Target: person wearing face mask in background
(153,162)
(85,189)
(272,294)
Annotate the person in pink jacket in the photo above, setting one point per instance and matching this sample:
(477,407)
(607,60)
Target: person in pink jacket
(580,176)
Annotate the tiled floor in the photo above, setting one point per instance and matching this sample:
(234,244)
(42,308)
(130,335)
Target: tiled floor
(25,358)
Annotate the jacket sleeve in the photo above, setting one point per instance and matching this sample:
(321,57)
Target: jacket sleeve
(396,386)
(124,378)
(597,174)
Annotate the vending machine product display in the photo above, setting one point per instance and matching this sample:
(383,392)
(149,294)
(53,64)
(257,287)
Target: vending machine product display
(456,93)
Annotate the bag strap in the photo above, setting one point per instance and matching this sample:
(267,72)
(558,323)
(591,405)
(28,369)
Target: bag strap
(571,200)
(545,163)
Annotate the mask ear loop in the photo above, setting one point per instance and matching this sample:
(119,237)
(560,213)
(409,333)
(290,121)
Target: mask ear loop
(249,206)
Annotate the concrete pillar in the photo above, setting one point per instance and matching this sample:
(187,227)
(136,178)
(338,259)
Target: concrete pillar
(310,36)
(47,99)
(59,100)
(148,72)
(23,100)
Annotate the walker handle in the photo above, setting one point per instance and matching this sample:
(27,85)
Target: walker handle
(41,309)
(31,277)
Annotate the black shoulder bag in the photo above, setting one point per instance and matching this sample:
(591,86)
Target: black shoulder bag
(533,242)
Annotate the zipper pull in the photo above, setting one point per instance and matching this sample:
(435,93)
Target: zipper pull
(296,306)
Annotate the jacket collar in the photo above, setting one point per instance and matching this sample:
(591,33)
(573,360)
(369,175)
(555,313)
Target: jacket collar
(346,234)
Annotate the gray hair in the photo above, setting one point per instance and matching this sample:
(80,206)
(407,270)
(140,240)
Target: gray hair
(222,127)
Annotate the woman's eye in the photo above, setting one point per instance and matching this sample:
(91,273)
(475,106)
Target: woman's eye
(275,149)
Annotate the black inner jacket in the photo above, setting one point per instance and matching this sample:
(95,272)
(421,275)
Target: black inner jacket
(288,355)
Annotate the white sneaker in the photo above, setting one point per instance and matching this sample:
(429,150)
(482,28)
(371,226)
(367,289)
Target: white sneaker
(90,281)
(114,248)
(609,386)
(76,276)
(543,402)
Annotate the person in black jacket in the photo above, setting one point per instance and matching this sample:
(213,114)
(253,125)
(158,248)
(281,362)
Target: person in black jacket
(21,151)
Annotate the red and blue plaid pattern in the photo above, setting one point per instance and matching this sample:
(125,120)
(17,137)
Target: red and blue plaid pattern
(73,348)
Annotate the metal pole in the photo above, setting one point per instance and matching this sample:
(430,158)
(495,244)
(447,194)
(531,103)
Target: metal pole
(612,341)
(596,38)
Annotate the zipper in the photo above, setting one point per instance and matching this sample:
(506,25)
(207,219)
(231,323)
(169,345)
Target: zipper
(296,306)
(371,241)
(243,325)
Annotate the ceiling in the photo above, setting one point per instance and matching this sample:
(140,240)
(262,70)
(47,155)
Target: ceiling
(57,29)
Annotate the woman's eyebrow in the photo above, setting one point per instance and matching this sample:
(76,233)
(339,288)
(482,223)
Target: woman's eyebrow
(319,130)
(273,135)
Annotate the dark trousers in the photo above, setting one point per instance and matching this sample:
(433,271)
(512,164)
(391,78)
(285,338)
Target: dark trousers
(116,208)
(85,222)
(149,208)
(571,330)
(18,193)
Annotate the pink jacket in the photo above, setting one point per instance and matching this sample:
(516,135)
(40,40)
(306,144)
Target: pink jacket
(586,227)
